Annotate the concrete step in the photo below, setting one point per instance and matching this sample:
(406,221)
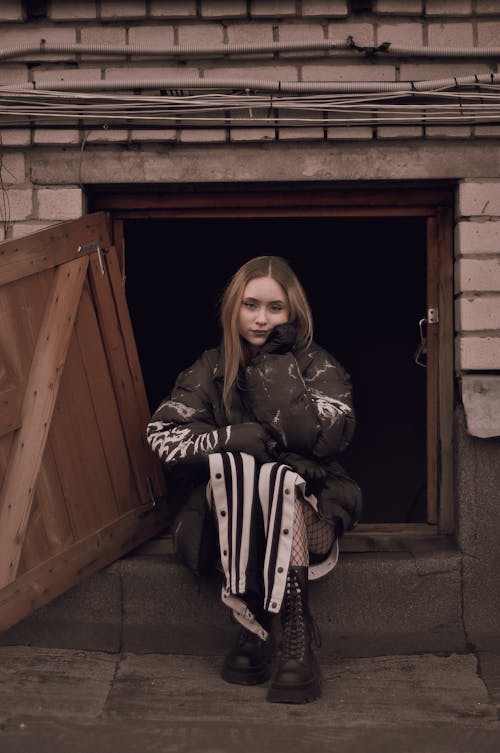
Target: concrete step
(373,603)
(56,700)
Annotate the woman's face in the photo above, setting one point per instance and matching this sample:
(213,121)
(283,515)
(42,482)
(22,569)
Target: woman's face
(264,306)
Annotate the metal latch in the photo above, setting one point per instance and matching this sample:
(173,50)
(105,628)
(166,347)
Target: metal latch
(420,355)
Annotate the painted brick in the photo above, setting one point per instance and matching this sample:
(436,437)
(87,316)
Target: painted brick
(20,203)
(396,6)
(297,31)
(448,7)
(362,33)
(399,132)
(488,33)
(61,10)
(13,168)
(479,198)
(478,275)
(336,71)
(356,133)
(66,74)
(161,35)
(487,7)
(15,136)
(13,74)
(56,136)
(11,10)
(60,203)
(478,353)
(202,34)
(272,8)
(203,136)
(401,33)
(327,8)
(477,237)
(252,134)
(114,9)
(29,33)
(160,134)
(21,229)
(478,313)
(103,35)
(487,131)
(173,8)
(447,132)
(414,71)
(301,134)
(271,72)
(250,32)
(450,35)
(105,135)
(224,8)
(148,72)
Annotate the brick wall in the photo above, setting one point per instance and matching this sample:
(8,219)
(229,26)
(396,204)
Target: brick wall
(43,169)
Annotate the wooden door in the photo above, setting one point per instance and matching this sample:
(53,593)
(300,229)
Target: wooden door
(79,486)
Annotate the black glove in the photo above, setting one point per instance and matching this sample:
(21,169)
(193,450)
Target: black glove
(280,339)
(249,437)
(312,472)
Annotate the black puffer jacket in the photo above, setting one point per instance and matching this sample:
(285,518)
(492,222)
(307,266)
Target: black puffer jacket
(302,397)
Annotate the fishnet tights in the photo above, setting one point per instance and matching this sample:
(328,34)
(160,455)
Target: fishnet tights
(310,534)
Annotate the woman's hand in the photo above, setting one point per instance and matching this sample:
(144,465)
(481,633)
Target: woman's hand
(312,472)
(250,437)
(280,339)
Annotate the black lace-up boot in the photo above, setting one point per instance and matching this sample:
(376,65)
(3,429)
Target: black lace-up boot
(298,677)
(249,661)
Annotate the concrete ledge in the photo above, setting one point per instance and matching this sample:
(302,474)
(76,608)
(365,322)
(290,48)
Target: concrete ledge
(372,603)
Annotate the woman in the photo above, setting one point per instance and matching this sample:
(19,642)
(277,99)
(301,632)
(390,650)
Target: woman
(262,419)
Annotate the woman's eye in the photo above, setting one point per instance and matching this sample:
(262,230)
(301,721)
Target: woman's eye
(276,309)
(249,304)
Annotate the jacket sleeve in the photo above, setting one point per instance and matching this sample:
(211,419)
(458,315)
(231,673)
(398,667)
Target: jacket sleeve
(308,411)
(183,428)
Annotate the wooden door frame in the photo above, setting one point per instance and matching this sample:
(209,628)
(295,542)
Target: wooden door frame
(435,204)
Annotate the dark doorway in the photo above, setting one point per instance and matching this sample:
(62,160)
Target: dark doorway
(366,282)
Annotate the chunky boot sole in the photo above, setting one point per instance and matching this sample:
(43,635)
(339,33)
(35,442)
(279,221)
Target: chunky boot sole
(253,676)
(304,693)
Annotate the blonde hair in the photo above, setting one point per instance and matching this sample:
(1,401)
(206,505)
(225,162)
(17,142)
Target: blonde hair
(300,312)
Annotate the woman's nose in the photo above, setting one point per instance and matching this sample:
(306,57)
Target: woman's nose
(262,315)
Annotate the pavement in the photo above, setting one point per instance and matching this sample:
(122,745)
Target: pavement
(56,700)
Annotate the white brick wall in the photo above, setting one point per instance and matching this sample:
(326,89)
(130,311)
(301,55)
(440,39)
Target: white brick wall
(477,275)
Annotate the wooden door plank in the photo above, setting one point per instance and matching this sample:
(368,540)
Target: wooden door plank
(131,417)
(384,198)
(107,416)
(38,405)
(153,465)
(54,576)
(79,453)
(10,409)
(446,370)
(60,244)
(432,374)
(49,530)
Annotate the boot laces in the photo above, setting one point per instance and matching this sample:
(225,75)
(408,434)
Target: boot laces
(294,624)
(296,618)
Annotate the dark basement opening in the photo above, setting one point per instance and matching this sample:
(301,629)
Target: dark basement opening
(366,281)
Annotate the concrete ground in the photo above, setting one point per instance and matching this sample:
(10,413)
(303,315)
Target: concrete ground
(55,700)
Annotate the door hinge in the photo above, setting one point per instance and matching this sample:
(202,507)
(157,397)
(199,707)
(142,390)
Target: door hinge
(96,247)
(102,260)
(432,316)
